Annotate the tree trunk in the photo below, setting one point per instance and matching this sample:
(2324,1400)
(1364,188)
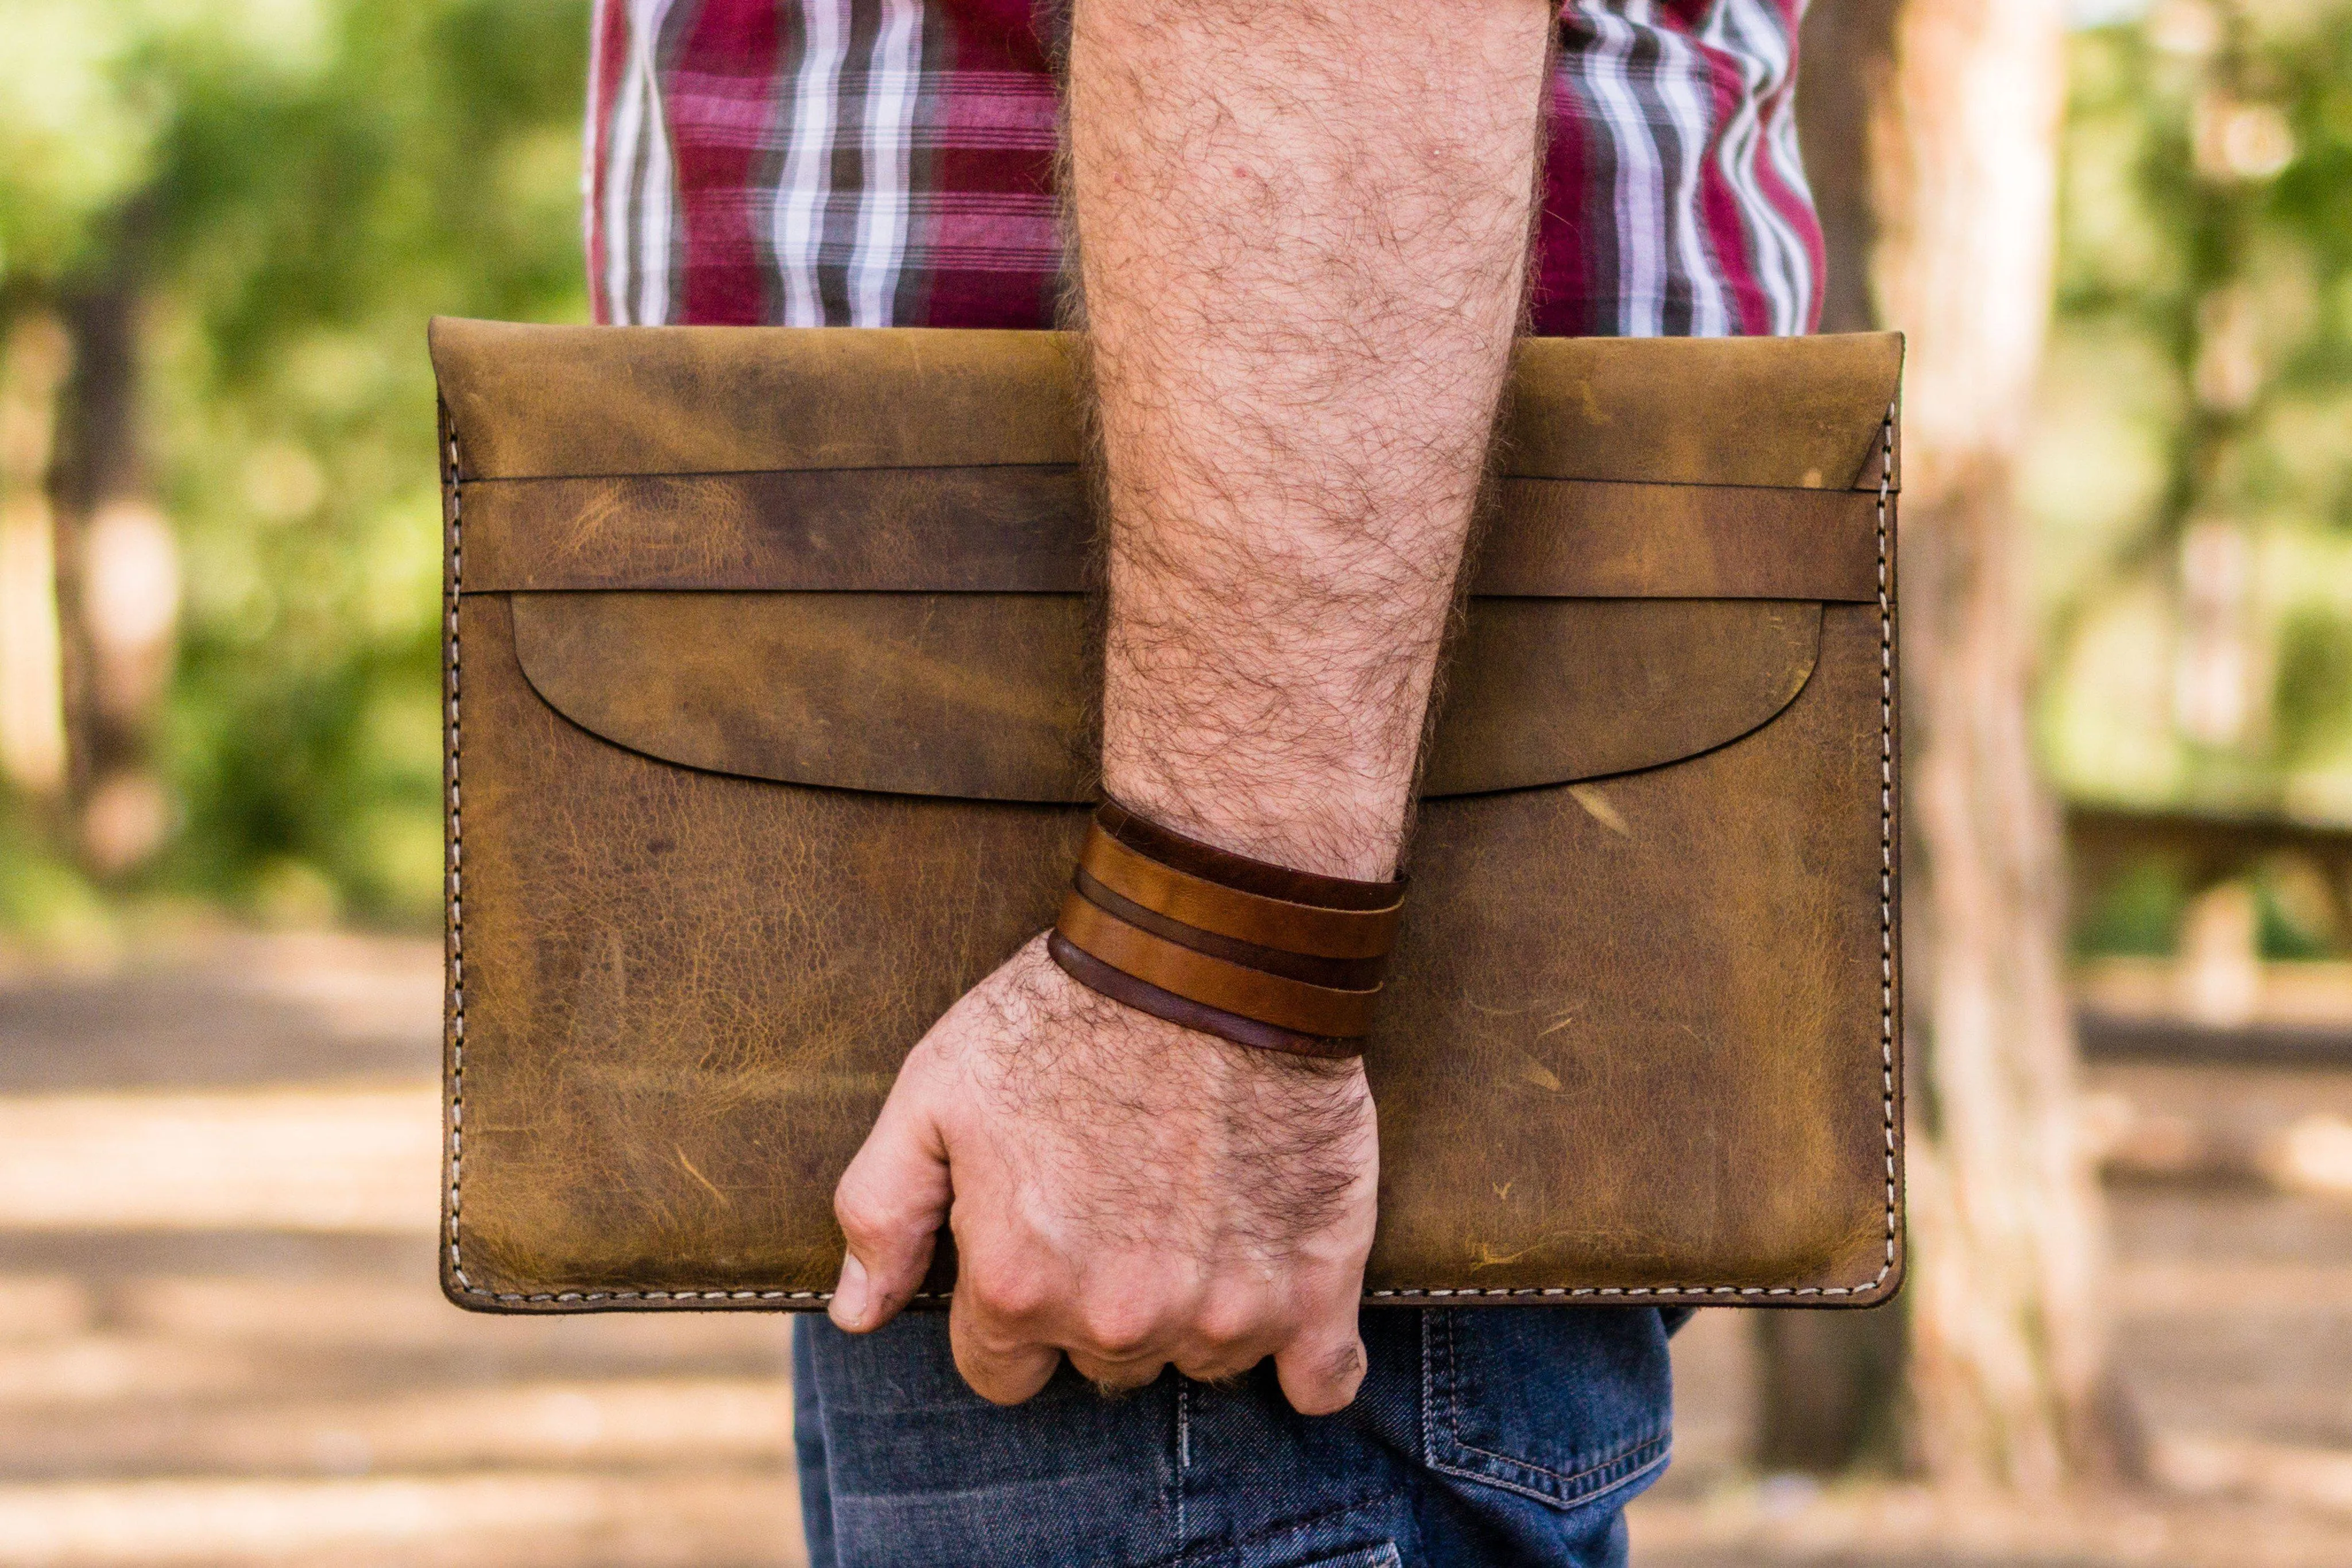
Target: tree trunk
(117,568)
(34,359)
(1933,131)
(2008,1349)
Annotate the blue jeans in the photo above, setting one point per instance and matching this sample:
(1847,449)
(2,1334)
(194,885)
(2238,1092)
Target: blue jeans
(1482,1436)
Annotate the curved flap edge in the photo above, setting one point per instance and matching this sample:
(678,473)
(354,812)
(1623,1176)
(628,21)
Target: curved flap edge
(989,696)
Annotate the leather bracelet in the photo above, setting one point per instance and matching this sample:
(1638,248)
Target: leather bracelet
(1258,954)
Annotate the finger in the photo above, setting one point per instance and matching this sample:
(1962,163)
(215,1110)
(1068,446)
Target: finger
(1128,1321)
(891,1202)
(1229,1367)
(1004,1366)
(1224,1363)
(1117,1376)
(1322,1367)
(1230,1333)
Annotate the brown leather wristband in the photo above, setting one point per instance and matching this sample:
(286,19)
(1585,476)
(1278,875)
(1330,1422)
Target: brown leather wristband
(1259,954)
(1216,982)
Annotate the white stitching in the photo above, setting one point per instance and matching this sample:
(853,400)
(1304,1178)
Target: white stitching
(1564,1292)
(455,870)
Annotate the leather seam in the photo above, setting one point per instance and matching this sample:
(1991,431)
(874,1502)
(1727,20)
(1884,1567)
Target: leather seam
(455,868)
(1560,1293)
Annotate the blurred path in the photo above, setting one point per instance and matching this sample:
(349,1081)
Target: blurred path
(221,1341)
(2233,1238)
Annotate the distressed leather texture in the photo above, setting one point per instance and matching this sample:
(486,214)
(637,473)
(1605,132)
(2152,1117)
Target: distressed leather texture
(770,682)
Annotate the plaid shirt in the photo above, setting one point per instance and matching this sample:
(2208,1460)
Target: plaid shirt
(880,162)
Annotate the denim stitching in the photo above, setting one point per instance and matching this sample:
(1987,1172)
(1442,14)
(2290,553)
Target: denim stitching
(1565,1478)
(1183,1459)
(1580,1501)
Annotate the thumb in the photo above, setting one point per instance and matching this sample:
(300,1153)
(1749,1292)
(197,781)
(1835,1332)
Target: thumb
(891,1202)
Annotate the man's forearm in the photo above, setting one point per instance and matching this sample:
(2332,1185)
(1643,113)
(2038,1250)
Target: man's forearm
(1302,229)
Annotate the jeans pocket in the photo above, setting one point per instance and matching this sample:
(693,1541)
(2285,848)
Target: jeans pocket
(1563,1404)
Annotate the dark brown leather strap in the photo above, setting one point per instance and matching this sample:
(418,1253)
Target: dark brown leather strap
(1214,982)
(1277,922)
(1144,997)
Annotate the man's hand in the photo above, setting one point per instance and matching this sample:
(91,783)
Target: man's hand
(1124,1190)
(1302,229)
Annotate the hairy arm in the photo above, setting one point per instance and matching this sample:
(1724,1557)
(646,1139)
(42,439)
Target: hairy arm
(1301,231)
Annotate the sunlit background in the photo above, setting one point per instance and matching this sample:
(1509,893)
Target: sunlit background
(222,224)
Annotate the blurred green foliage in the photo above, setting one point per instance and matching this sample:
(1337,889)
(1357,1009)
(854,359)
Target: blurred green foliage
(2136,914)
(2191,480)
(299,184)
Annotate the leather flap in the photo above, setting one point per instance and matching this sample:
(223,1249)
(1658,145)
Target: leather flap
(583,401)
(897,534)
(988,696)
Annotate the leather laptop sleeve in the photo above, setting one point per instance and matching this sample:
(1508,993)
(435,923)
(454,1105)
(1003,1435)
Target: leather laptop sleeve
(768,701)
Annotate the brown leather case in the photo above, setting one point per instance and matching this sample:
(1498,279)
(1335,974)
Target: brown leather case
(768,681)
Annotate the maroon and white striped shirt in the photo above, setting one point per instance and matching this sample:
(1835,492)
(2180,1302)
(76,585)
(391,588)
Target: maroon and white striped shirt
(889,163)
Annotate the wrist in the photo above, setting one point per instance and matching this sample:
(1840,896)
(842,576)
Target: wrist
(1331,833)
(1234,725)
(1283,779)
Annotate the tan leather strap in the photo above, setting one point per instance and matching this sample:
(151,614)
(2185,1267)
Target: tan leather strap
(1289,1004)
(1275,922)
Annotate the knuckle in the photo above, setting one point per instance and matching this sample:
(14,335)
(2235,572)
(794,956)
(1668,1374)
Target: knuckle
(1230,1322)
(1002,1293)
(1120,1327)
(1002,1366)
(862,1209)
(989,1379)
